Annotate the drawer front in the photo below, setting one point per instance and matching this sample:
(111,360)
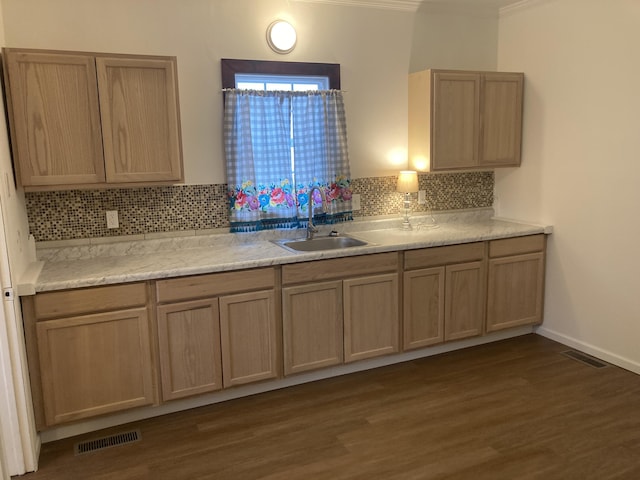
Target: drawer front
(338,268)
(215,284)
(436,256)
(517,245)
(89,300)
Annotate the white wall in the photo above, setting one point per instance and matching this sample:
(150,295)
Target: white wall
(580,165)
(455,37)
(375,48)
(372,45)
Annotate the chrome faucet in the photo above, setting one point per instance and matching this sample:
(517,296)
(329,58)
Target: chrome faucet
(311,228)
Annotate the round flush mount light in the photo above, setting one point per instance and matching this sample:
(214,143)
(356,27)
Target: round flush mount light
(281,36)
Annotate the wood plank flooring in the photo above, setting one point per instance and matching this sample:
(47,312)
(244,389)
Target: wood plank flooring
(515,409)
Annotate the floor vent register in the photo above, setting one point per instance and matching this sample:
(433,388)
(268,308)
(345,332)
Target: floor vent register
(584,358)
(115,440)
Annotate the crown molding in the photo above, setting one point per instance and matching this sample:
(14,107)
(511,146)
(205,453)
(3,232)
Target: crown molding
(466,9)
(402,5)
(521,6)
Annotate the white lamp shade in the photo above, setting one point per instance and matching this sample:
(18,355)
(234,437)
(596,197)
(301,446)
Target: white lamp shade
(281,36)
(407,181)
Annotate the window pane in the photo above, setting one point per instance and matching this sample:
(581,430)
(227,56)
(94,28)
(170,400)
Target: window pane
(250,85)
(298,87)
(279,86)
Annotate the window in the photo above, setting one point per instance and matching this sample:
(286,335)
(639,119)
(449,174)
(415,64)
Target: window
(285,133)
(291,83)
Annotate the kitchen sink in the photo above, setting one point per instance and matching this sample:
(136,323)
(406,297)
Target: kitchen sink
(320,243)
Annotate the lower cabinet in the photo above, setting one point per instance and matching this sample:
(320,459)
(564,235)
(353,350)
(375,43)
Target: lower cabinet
(189,348)
(312,326)
(465,291)
(213,333)
(84,364)
(370,316)
(249,337)
(516,282)
(443,294)
(96,350)
(339,310)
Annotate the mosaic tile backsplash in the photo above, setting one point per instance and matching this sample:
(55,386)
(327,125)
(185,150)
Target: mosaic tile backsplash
(74,214)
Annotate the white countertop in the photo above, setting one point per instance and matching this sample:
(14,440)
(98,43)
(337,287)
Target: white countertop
(102,263)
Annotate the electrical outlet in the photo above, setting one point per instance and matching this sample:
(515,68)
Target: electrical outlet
(355,201)
(112,219)
(422,197)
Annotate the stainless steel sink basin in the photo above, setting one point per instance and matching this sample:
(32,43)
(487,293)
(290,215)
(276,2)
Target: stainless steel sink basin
(320,243)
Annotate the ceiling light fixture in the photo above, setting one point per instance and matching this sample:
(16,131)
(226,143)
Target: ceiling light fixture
(281,36)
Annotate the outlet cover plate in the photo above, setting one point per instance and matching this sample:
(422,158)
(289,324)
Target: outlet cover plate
(112,219)
(355,201)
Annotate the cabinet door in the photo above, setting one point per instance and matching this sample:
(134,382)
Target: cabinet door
(501,119)
(249,337)
(189,347)
(515,291)
(312,326)
(370,316)
(465,293)
(140,119)
(423,307)
(55,117)
(455,120)
(94,364)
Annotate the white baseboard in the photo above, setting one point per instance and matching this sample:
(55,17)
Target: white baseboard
(99,423)
(589,349)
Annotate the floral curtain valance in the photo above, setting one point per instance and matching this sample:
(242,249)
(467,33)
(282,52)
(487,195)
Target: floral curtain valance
(278,146)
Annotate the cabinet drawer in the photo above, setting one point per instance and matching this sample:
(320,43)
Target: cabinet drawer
(215,284)
(89,300)
(436,256)
(338,268)
(516,246)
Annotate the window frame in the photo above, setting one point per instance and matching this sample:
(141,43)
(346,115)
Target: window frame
(229,68)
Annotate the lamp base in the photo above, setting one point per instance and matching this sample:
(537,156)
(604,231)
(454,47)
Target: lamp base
(406,224)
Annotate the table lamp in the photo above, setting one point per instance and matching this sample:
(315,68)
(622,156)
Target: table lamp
(407,184)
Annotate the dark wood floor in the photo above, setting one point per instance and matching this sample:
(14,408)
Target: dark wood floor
(516,409)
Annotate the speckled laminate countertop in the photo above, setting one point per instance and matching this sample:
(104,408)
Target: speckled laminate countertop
(101,263)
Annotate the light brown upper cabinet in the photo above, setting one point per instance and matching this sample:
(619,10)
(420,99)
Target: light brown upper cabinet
(464,120)
(82,120)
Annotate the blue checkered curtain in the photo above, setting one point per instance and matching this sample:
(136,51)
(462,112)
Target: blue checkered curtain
(262,170)
(257,135)
(321,154)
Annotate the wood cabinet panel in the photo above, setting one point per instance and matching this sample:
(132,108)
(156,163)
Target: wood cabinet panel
(312,326)
(189,348)
(140,119)
(423,312)
(455,125)
(515,291)
(66,303)
(464,119)
(248,329)
(464,300)
(94,364)
(88,120)
(55,117)
(517,245)
(338,268)
(370,316)
(501,119)
(215,284)
(436,256)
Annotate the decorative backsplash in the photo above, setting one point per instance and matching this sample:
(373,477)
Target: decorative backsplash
(73,214)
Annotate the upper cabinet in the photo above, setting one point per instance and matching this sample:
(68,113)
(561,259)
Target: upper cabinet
(82,120)
(464,120)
